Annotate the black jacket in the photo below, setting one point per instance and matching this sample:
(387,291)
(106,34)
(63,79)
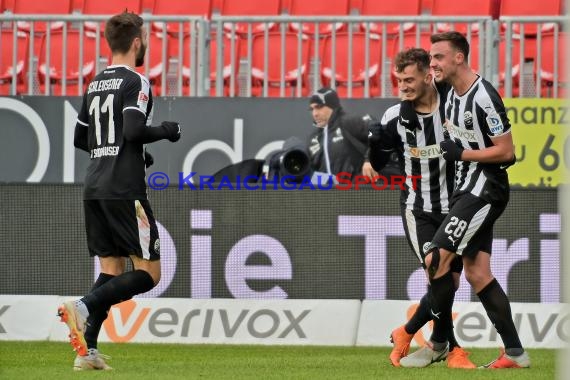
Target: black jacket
(347,138)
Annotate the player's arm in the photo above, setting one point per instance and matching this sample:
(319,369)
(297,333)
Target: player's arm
(502,150)
(136,130)
(495,124)
(136,126)
(380,141)
(358,127)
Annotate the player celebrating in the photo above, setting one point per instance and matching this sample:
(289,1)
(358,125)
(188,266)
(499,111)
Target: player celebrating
(112,126)
(414,130)
(481,146)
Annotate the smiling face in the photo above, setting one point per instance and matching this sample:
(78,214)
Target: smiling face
(321,114)
(445,60)
(413,83)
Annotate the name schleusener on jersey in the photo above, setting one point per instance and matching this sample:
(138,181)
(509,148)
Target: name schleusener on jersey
(104,85)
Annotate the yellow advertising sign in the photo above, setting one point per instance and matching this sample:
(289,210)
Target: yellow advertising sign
(540,134)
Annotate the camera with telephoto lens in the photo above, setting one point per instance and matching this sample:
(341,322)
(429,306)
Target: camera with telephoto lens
(292,161)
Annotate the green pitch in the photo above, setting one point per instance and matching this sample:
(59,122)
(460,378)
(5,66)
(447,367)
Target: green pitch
(49,360)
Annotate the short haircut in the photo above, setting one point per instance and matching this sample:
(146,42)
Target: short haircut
(121,30)
(456,39)
(412,56)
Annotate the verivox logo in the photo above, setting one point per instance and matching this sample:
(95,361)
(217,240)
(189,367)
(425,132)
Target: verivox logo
(535,326)
(128,320)
(124,322)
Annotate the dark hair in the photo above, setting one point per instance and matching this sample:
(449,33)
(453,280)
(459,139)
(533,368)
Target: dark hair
(456,39)
(412,56)
(121,30)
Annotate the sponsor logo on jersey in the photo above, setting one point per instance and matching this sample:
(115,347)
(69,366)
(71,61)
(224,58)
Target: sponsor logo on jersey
(461,133)
(142,100)
(495,124)
(430,151)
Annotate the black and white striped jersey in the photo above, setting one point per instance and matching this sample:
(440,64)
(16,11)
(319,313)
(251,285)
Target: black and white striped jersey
(473,119)
(420,155)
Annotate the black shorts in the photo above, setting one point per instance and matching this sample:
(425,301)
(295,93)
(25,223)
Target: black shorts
(117,227)
(468,228)
(420,228)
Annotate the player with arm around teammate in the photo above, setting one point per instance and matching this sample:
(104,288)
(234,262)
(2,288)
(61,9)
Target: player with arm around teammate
(481,146)
(413,128)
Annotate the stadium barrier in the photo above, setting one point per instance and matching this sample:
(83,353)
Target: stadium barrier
(277,322)
(214,58)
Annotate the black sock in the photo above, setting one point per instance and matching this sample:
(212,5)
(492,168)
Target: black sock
(118,289)
(498,308)
(97,318)
(451,338)
(450,334)
(441,302)
(421,316)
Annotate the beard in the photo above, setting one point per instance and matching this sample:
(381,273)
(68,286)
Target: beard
(139,59)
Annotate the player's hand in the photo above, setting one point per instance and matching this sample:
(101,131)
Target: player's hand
(368,170)
(148,159)
(450,150)
(172,129)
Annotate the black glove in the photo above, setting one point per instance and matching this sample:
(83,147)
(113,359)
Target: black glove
(450,150)
(148,159)
(172,129)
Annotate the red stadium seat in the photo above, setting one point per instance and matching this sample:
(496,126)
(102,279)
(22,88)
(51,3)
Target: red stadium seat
(230,68)
(531,8)
(340,78)
(390,8)
(318,8)
(463,8)
(7,68)
(548,59)
(74,68)
(503,72)
(250,8)
(109,8)
(272,74)
(41,7)
(410,40)
(423,40)
(201,8)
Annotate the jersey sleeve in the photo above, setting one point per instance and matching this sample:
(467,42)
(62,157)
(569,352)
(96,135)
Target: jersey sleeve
(492,114)
(380,154)
(83,115)
(137,95)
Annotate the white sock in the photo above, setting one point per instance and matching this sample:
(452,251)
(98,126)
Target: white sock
(82,308)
